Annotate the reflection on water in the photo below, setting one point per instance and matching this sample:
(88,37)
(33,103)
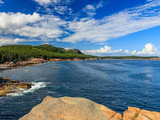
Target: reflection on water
(116,84)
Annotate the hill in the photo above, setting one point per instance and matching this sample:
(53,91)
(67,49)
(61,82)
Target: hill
(16,53)
(51,48)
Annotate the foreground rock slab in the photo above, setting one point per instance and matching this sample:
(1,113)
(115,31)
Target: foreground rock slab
(70,108)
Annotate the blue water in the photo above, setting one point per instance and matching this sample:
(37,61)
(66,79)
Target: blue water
(116,84)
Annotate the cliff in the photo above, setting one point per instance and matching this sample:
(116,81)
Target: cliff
(70,108)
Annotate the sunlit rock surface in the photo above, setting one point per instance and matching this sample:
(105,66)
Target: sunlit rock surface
(71,108)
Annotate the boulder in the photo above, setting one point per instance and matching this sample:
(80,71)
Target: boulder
(134,113)
(70,108)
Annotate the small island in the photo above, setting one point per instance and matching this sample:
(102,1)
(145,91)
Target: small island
(12,86)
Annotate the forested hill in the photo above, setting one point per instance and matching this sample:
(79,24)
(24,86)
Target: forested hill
(51,48)
(16,53)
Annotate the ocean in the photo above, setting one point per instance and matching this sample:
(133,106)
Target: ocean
(116,84)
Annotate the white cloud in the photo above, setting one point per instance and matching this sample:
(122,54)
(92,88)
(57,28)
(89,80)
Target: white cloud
(103,51)
(90,10)
(149,49)
(54,6)
(1,2)
(114,26)
(44,27)
(99,5)
(67,48)
(126,51)
(7,40)
(43,2)
(48,2)
(50,27)
(11,21)
(134,51)
(62,9)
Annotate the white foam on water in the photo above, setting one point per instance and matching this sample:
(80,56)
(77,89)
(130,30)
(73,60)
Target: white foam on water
(36,86)
(21,91)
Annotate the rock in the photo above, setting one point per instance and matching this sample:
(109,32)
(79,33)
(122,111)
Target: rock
(134,113)
(77,59)
(12,86)
(70,108)
(68,59)
(2,93)
(19,85)
(3,80)
(56,59)
(13,81)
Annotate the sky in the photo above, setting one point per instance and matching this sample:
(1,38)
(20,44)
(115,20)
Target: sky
(96,27)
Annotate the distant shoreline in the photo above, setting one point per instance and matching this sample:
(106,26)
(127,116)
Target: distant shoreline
(35,61)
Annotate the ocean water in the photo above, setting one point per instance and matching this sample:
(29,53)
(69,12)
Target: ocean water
(116,84)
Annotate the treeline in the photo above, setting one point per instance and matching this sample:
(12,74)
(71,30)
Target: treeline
(128,57)
(16,53)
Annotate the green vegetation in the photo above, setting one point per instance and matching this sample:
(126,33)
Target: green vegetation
(51,48)
(128,57)
(16,53)
(136,115)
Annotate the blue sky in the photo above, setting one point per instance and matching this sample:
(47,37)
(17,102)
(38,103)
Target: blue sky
(97,27)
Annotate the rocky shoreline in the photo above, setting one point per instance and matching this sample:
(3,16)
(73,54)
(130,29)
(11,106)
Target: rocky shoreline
(34,61)
(12,86)
(73,108)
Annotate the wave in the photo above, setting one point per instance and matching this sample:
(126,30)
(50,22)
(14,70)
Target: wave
(21,91)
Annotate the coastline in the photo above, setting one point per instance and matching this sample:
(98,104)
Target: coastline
(35,61)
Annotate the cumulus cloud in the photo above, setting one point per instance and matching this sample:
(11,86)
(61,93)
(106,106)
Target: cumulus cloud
(149,49)
(44,27)
(126,51)
(134,51)
(114,26)
(103,51)
(10,21)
